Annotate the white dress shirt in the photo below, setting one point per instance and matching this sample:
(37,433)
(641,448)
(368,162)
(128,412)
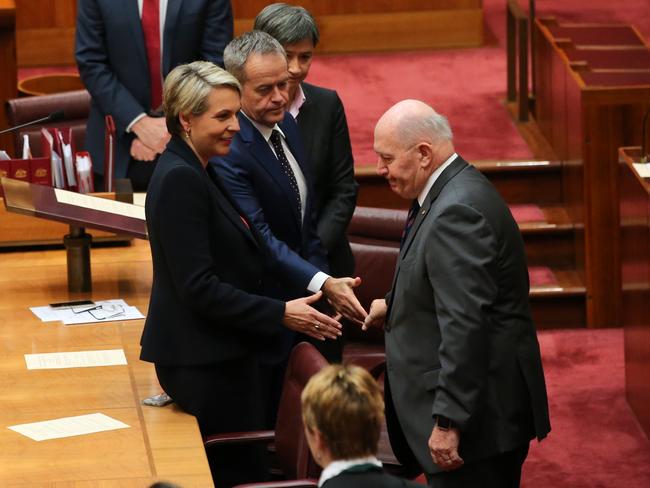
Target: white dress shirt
(335,468)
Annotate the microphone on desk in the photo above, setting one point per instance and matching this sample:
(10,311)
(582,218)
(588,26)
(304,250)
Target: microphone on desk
(644,137)
(53,117)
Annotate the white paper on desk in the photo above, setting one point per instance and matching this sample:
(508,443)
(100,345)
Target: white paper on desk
(76,315)
(76,359)
(101,204)
(642,169)
(68,426)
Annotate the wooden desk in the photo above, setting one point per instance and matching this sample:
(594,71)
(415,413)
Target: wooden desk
(593,86)
(161,444)
(635,283)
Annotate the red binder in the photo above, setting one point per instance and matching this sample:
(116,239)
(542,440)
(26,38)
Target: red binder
(109,153)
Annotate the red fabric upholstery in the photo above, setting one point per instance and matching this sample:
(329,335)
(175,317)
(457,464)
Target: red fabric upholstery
(291,446)
(75,106)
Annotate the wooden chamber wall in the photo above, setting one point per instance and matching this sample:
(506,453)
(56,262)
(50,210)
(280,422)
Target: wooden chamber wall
(45,28)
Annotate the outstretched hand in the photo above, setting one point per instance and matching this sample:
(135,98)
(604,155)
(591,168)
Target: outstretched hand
(301,317)
(377,314)
(340,294)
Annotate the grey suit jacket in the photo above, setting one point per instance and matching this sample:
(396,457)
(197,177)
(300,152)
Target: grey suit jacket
(460,341)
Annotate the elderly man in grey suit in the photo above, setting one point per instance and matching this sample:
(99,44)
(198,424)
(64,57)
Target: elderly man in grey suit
(465,388)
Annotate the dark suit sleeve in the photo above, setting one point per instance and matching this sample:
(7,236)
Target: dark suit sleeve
(285,264)
(341,199)
(182,221)
(217,31)
(93,63)
(461,265)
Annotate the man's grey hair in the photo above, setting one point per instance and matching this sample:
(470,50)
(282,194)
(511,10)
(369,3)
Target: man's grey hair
(432,127)
(289,24)
(241,48)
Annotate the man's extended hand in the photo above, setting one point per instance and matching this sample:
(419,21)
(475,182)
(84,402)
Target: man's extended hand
(377,314)
(443,445)
(340,294)
(140,152)
(152,132)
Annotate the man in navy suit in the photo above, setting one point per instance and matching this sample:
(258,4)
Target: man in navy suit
(113,47)
(266,173)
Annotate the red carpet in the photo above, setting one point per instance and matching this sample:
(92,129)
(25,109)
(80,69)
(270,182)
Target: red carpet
(527,213)
(541,276)
(596,441)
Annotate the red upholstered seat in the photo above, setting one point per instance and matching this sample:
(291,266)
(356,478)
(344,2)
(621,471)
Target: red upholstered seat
(291,448)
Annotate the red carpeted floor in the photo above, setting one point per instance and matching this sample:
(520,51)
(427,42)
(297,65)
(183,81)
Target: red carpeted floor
(596,441)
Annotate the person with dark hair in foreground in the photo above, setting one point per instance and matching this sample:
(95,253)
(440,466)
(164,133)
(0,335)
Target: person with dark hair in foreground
(464,386)
(208,321)
(343,411)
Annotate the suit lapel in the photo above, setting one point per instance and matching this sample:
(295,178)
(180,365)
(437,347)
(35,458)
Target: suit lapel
(130,9)
(447,175)
(261,151)
(227,204)
(173,8)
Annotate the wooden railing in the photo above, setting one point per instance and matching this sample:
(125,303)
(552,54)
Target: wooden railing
(518,34)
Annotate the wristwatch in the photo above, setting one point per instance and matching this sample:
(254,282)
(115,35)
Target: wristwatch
(442,422)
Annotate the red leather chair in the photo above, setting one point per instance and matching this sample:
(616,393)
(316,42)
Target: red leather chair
(291,448)
(75,106)
(374,235)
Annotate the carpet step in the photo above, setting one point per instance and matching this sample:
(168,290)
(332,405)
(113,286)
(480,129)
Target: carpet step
(548,234)
(557,298)
(521,182)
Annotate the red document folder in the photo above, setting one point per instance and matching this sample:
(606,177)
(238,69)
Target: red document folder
(109,153)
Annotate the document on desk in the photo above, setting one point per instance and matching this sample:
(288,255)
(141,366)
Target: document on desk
(101,311)
(76,359)
(68,426)
(643,169)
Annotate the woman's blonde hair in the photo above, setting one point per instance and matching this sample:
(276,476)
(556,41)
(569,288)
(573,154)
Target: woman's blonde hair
(187,88)
(345,404)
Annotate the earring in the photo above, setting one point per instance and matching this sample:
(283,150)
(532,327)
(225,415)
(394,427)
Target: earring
(188,132)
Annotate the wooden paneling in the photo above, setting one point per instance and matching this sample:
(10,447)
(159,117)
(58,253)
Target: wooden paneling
(45,32)
(635,284)
(585,123)
(8,88)
(45,28)
(250,8)
(362,26)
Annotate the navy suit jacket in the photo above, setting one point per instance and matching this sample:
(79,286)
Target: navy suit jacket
(254,177)
(205,305)
(112,61)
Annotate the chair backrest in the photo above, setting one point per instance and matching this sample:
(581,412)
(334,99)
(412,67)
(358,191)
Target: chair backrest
(374,235)
(75,106)
(291,445)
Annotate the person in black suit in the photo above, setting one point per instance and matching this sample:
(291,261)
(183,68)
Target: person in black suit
(343,412)
(207,321)
(324,130)
(113,50)
(465,390)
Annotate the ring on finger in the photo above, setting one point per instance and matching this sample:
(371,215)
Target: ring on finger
(317,325)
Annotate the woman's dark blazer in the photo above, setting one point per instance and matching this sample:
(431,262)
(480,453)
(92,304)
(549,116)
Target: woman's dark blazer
(207,269)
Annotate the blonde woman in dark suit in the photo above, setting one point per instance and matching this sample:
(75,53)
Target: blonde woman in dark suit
(207,321)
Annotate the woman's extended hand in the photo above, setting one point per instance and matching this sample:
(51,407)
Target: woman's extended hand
(300,316)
